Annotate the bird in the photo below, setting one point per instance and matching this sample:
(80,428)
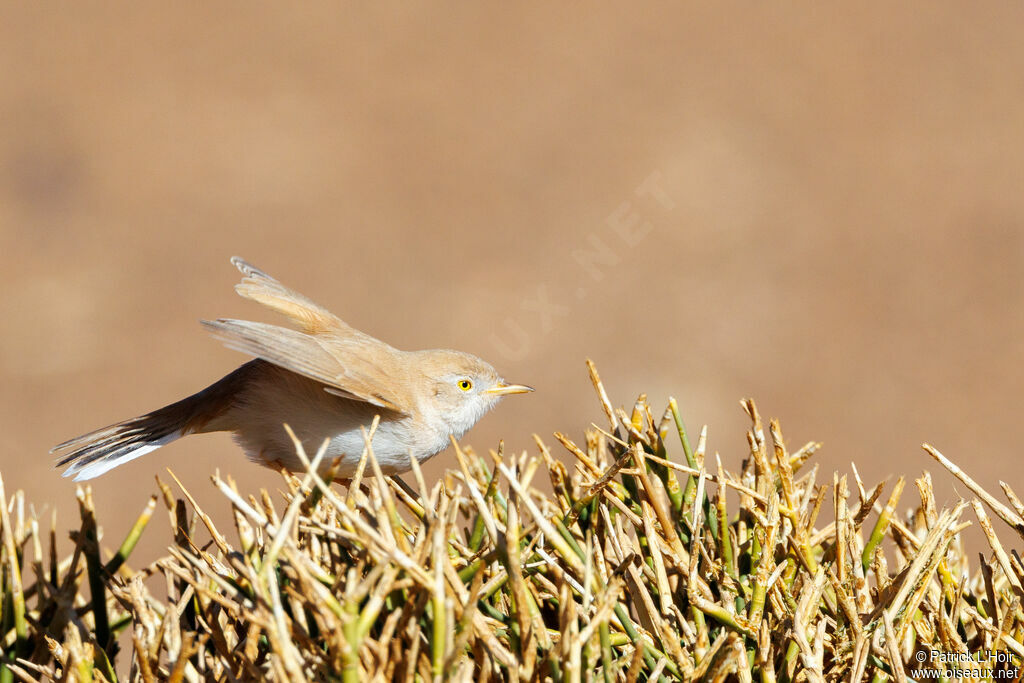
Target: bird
(324,379)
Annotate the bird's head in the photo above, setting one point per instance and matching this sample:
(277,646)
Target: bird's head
(462,388)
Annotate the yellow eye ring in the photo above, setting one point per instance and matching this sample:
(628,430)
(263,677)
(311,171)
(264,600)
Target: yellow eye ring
(465,384)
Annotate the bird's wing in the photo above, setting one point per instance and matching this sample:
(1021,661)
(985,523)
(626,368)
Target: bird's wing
(310,316)
(343,363)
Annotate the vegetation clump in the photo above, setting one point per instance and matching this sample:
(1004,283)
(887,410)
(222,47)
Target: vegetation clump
(643,559)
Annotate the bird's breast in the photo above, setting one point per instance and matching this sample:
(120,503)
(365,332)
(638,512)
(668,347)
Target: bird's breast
(281,397)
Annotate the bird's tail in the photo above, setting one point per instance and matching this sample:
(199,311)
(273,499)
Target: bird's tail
(100,451)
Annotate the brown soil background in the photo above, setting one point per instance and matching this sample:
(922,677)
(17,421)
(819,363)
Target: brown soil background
(845,243)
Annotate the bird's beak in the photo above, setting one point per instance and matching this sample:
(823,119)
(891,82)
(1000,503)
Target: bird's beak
(501,389)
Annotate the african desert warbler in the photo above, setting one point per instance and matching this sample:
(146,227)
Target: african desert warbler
(325,379)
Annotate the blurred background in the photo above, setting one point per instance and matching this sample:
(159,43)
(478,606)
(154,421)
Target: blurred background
(818,207)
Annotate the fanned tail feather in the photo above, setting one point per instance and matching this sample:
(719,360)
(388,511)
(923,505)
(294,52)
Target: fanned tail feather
(90,455)
(98,452)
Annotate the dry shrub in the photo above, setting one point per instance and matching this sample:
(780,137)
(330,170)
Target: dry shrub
(643,560)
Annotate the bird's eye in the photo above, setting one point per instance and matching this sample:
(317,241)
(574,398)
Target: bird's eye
(465,384)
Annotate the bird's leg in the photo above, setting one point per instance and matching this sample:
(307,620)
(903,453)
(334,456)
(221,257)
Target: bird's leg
(278,465)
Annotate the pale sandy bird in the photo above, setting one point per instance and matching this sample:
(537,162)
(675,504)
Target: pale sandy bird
(326,380)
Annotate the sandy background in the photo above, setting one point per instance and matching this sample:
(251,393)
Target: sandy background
(818,207)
